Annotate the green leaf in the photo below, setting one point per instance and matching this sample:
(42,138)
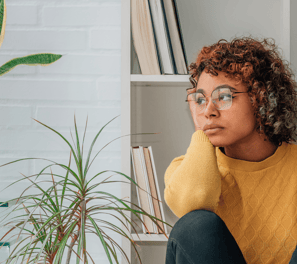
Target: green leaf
(59,254)
(65,181)
(35,59)
(60,215)
(2,20)
(79,156)
(75,157)
(92,145)
(1,15)
(101,238)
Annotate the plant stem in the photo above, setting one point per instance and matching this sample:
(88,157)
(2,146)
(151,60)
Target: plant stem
(71,246)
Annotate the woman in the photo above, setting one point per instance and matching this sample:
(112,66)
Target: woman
(235,189)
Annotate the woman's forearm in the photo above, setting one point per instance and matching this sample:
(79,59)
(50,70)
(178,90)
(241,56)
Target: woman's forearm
(193,181)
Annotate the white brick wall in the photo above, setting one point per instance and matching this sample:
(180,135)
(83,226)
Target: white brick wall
(85,81)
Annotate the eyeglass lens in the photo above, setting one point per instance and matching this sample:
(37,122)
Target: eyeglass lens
(222,99)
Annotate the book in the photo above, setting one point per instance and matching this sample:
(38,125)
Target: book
(176,37)
(155,190)
(149,197)
(157,186)
(142,196)
(135,67)
(149,185)
(162,37)
(143,38)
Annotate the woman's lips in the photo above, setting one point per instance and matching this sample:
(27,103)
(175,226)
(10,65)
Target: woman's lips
(213,130)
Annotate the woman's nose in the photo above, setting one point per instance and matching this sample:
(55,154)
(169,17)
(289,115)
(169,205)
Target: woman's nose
(210,108)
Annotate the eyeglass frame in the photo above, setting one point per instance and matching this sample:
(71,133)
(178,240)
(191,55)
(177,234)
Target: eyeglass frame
(232,92)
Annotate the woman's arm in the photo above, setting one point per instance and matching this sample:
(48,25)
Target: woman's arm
(193,181)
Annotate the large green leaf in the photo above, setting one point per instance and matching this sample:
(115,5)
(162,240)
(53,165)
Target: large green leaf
(2,20)
(35,59)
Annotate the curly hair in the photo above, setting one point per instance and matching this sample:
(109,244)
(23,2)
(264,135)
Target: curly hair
(269,79)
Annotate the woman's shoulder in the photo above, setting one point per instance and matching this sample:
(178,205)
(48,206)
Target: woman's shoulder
(291,150)
(291,145)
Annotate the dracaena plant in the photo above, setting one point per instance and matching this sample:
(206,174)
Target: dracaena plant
(55,220)
(43,59)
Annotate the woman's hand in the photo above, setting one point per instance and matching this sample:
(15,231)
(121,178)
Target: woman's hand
(193,110)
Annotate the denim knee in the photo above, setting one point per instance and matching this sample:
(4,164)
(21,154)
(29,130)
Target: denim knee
(201,236)
(196,224)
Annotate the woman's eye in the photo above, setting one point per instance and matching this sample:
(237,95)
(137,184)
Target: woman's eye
(200,101)
(224,97)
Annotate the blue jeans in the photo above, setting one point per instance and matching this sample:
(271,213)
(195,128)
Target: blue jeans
(201,236)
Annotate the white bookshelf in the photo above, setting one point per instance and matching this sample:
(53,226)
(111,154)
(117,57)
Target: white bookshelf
(156,103)
(148,80)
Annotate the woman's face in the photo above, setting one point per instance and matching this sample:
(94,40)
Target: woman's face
(238,122)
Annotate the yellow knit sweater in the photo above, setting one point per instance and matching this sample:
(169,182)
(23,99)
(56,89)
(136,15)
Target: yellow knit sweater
(256,200)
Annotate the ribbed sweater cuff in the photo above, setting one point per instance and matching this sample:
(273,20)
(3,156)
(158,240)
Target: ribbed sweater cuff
(200,136)
(199,140)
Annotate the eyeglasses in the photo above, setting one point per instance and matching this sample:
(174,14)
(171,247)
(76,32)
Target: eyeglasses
(221,98)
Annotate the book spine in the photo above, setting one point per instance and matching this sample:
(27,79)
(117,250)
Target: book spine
(157,185)
(153,189)
(155,38)
(161,36)
(143,38)
(148,188)
(137,191)
(135,65)
(180,31)
(169,38)
(178,55)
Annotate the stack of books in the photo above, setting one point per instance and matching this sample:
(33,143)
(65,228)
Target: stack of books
(149,198)
(157,37)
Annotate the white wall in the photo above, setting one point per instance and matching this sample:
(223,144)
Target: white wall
(86,80)
(293,37)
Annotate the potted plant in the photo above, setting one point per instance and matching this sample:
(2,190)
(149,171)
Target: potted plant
(54,221)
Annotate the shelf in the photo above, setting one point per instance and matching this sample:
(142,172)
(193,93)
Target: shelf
(160,80)
(149,238)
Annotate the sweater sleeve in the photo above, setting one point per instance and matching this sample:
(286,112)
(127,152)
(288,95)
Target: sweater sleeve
(193,180)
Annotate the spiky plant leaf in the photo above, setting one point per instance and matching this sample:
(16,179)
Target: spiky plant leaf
(2,20)
(43,59)
(58,217)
